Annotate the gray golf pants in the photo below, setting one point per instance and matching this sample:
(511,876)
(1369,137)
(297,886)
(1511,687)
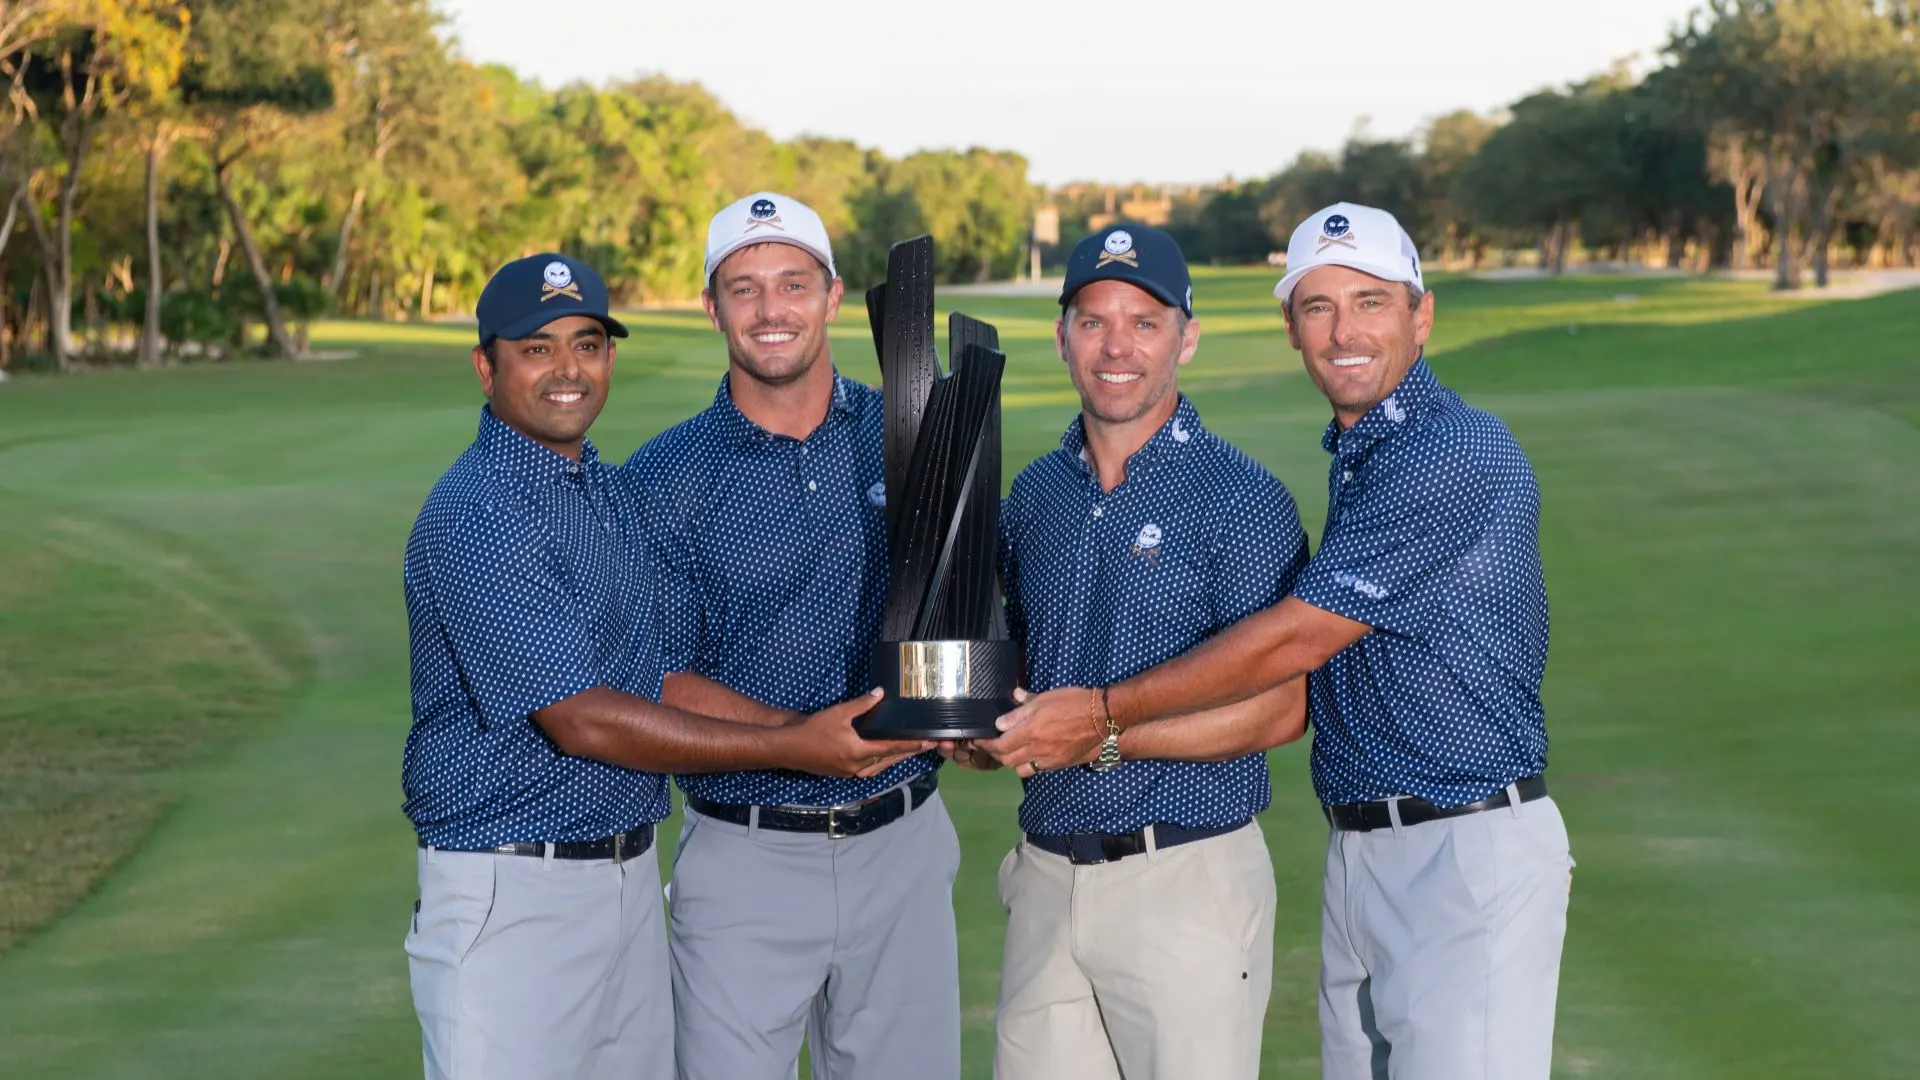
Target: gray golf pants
(541,969)
(1440,947)
(849,940)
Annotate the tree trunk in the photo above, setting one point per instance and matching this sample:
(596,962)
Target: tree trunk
(1780,183)
(13,215)
(1820,231)
(426,290)
(269,304)
(1747,191)
(60,286)
(277,335)
(59,327)
(338,275)
(150,328)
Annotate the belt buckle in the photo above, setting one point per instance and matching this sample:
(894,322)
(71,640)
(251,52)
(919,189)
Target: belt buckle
(619,845)
(833,821)
(1080,842)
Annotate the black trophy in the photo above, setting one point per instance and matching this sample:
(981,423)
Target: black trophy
(943,656)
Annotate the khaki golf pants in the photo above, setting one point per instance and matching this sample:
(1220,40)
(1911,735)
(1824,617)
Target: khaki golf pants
(1154,966)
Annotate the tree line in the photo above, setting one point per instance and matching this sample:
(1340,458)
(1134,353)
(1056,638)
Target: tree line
(1774,133)
(185,176)
(264,162)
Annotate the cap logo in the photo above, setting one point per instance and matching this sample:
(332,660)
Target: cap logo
(763,212)
(1336,230)
(558,281)
(1118,248)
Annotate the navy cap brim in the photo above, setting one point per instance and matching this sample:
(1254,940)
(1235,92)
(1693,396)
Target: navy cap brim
(527,324)
(1151,288)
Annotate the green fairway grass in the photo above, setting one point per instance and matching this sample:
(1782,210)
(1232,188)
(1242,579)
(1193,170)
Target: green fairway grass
(203,673)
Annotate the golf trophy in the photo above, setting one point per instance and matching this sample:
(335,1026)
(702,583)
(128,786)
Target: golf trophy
(943,658)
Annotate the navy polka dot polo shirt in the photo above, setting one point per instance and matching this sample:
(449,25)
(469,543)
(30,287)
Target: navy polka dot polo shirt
(1103,585)
(1432,538)
(773,557)
(523,590)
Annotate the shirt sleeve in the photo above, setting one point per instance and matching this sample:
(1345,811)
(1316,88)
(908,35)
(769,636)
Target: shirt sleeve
(519,636)
(1386,558)
(677,613)
(1010,576)
(1259,552)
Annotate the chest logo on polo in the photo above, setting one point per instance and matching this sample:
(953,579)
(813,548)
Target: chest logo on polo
(558,278)
(1393,410)
(1147,544)
(1180,432)
(877,495)
(1118,248)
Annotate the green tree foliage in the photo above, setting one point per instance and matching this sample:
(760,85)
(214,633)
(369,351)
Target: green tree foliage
(304,156)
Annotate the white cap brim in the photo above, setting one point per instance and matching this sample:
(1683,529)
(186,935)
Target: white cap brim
(716,258)
(1374,269)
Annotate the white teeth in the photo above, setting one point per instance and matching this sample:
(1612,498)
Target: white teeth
(774,339)
(1350,361)
(1111,377)
(566,398)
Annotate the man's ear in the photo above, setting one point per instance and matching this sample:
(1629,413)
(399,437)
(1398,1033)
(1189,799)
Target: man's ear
(1189,339)
(1060,336)
(713,307)
(835,292)
(483,367)
(1423,319)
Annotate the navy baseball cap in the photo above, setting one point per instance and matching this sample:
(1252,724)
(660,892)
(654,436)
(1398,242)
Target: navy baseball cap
(527,294)
(1134,254)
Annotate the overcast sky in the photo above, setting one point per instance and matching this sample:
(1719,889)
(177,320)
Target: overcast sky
(1173,90)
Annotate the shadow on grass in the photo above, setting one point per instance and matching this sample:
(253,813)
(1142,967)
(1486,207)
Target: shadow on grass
(129,658)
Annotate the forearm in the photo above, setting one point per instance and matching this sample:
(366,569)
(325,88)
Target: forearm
(623,729)
(1232,731)
(689,692)
(1253,656)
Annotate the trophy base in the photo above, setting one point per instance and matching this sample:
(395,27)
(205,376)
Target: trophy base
(942,689)
(906,718)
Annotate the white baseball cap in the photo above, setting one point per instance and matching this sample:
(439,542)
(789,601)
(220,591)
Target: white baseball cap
(767,217)
(1346,234)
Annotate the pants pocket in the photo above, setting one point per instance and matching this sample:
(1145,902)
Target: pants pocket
(1003,880)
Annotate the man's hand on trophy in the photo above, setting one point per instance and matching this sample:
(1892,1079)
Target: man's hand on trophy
(827,744)
(1048,731)
(965,753)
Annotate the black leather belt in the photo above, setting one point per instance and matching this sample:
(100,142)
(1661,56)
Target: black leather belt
(1368,816)
(849,819)
(627,845)
(1089,848)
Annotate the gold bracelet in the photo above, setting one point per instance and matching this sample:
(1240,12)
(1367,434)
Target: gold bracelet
(1094,696)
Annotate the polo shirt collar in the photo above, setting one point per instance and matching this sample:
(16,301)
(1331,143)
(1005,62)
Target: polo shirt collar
(516,457)
(1417,387)
(734,425)
(1173,437)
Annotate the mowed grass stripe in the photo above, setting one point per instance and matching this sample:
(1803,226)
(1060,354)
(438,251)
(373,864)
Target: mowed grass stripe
(1729,521)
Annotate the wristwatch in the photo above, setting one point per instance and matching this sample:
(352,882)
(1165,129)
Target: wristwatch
(1109,758)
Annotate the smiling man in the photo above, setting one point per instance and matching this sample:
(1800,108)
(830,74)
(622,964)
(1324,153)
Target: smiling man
(534,767)
(1423,618)
(800,904)
(1140,906)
